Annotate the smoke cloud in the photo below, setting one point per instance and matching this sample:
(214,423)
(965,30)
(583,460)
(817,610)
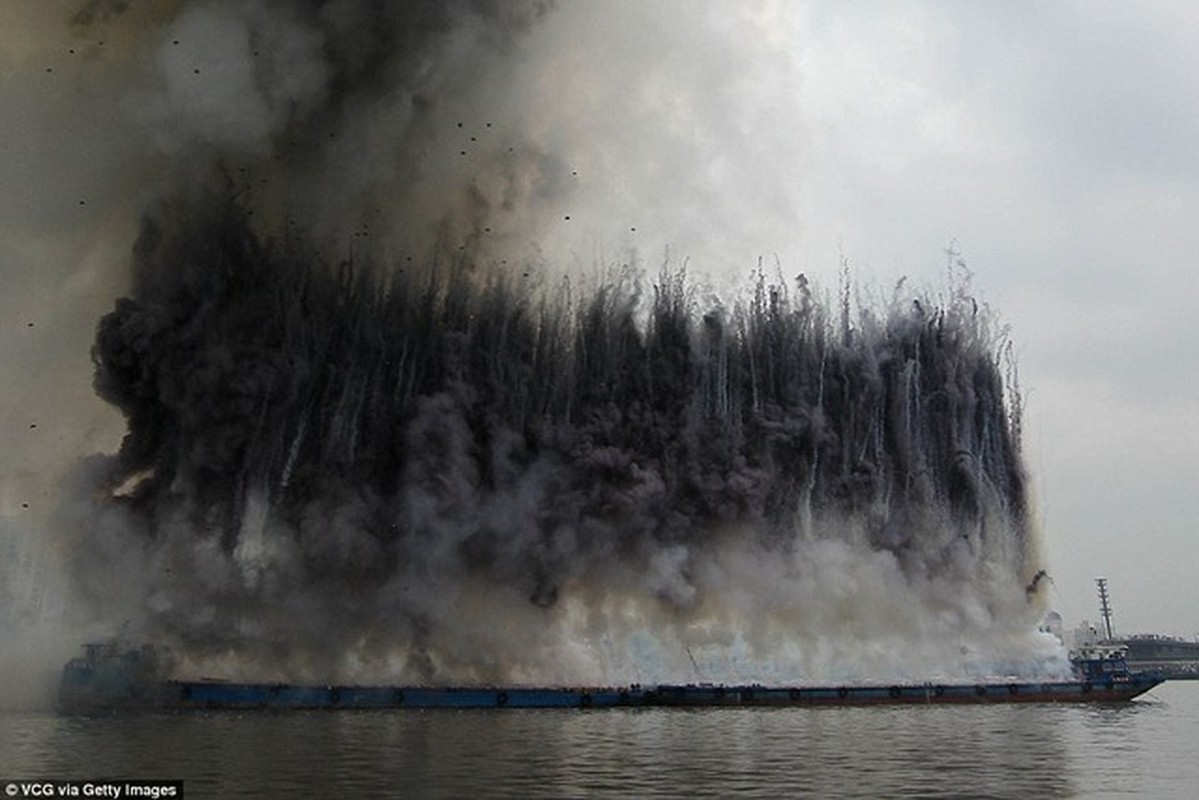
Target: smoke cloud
(371,435)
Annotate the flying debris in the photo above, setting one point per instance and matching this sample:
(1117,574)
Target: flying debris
(309,438)
(444,469)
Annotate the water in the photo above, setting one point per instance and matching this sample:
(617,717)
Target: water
(1146,748)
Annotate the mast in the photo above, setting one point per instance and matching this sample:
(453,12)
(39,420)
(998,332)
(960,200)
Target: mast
(1105,608)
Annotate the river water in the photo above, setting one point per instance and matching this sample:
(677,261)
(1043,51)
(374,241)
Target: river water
(1147,748)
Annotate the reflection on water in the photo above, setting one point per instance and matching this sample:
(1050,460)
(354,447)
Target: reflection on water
(996,751)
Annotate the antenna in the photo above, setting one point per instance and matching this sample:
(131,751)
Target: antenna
(1105,607)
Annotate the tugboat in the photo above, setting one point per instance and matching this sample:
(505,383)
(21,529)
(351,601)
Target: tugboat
(111,677)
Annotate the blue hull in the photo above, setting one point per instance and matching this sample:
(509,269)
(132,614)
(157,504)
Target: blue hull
(220,695)
(110,679)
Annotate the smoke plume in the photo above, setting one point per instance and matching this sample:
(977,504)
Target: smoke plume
(368,436)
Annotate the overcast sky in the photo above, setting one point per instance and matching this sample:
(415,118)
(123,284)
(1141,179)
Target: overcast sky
(1051,144)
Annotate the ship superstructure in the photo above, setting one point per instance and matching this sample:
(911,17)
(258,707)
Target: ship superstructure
(1169,656)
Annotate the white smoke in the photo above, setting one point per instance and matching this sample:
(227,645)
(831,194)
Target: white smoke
(506,130)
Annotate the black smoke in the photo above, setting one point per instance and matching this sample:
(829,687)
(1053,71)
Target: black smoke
(417,460)
(332,430)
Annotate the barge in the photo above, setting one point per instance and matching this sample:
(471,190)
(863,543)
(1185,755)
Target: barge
(108,677)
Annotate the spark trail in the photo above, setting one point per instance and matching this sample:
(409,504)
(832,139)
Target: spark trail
(445,470)
(413,460)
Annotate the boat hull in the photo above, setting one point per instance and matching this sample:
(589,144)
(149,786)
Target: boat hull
(83,697)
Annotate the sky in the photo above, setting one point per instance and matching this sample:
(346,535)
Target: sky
(1050,145)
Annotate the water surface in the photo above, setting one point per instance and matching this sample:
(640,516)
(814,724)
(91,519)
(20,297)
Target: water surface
(1146,748)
